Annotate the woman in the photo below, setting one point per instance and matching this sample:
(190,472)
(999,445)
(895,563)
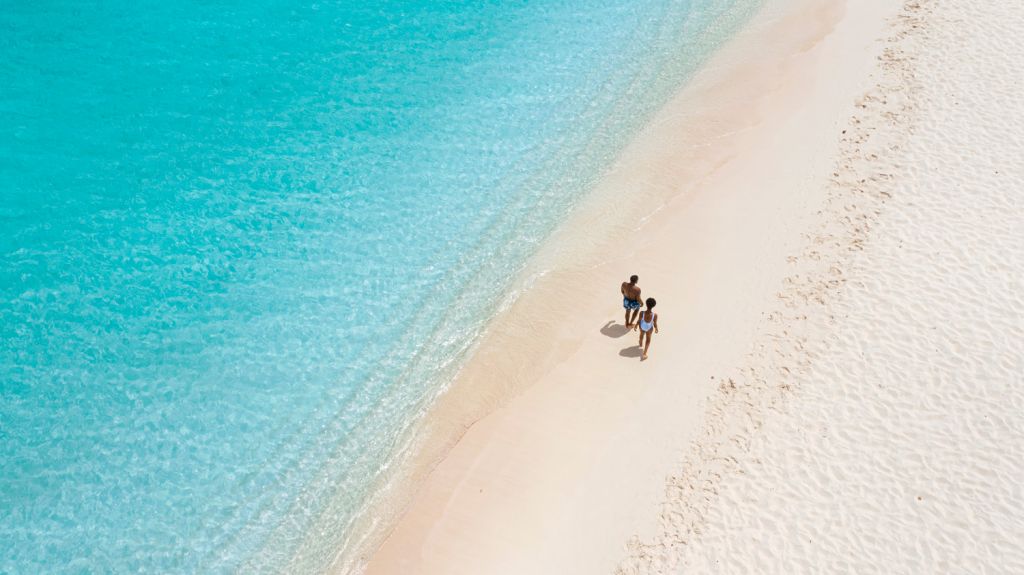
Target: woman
(648,322)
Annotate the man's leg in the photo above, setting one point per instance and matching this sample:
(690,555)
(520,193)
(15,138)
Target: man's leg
(636,313)
(628,323)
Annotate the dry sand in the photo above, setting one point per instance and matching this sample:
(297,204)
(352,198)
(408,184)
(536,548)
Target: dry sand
(830,216)
(900,447)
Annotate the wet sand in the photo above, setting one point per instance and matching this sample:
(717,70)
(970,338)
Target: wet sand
(839,296)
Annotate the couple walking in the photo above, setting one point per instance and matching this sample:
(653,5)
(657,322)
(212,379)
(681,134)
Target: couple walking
(648,320)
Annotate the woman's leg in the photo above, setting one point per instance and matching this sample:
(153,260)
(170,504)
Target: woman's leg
(648,346)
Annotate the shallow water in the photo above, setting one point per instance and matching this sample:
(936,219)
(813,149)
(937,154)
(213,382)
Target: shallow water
(243,244)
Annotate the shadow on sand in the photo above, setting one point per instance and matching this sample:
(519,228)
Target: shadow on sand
(632,351)
(612,329)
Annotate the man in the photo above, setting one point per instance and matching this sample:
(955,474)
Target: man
(631,299)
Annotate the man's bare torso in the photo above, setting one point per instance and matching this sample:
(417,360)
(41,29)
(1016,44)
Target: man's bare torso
(631,291)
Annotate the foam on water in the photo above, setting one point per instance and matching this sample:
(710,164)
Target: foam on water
(243,244)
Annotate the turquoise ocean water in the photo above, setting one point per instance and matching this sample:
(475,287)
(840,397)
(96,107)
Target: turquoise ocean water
(243,244)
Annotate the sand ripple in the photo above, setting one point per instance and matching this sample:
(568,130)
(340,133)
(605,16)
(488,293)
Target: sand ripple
(878,426)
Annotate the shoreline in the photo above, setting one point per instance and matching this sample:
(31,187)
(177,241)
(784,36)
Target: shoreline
(456,409)
(695,165)
(837,382)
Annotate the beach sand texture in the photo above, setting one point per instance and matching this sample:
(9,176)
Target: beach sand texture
(884,432)
(837,387)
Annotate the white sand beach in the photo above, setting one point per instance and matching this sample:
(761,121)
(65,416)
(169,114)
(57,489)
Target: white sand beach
(831,216)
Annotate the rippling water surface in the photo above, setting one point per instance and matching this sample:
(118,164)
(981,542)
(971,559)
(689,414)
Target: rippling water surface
(243,243)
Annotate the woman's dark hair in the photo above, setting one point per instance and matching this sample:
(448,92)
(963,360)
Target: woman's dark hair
(651,303)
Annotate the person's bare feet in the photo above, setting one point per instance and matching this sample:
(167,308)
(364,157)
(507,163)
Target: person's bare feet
(643,357)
